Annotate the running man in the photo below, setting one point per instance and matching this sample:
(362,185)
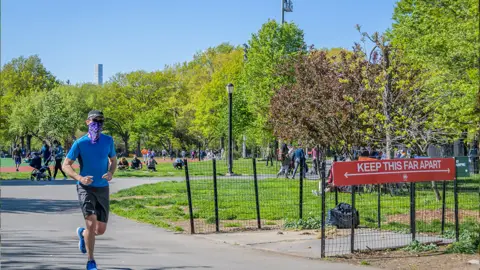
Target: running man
(92,150)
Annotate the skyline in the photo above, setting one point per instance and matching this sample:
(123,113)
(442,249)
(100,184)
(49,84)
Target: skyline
(71,38)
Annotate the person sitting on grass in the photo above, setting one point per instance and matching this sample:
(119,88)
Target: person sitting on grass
(178,164)
(151,162)
(136,164)
(123,164)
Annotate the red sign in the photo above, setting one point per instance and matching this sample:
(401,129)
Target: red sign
(393,171)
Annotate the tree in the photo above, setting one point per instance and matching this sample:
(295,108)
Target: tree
(271,46)
(441,38)
(20,77)
(326,104)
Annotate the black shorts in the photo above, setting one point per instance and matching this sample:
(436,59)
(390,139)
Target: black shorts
(94,201)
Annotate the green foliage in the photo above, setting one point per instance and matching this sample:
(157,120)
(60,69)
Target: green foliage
(303,224)
(416,246)
(441,38)
(19,78)
(469,241)
(269,48)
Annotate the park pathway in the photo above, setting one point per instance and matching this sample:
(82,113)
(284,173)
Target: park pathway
(39,219)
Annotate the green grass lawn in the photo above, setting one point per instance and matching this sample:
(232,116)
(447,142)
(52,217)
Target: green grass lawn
(165,204)
(9,162)
(164,169)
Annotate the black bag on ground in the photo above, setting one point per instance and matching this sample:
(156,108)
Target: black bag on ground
(341,216)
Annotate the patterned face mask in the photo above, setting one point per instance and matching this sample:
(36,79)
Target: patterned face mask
(94,130)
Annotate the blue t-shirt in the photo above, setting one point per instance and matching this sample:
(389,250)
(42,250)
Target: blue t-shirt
(93,158)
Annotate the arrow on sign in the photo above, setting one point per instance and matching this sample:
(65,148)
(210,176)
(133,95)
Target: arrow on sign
(398,172)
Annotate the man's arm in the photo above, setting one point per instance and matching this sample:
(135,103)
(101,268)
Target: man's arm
(68,169)
(113,167)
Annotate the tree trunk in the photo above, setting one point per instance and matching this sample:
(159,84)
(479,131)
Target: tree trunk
(138,148)
(22,142)
(29,143)
(244,147)
(435,189)
(386,105)
(125,139)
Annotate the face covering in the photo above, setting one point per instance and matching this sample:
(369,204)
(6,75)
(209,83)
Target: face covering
(94,130)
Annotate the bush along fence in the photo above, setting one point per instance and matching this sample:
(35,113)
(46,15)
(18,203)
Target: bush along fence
(352,206)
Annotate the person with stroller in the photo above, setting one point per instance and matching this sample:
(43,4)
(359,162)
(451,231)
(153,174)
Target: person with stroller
(136,164)
(35,161)
(46,153)
(59,153)
(123,164)
(17,158)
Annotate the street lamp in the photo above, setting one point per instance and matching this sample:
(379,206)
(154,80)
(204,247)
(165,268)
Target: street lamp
(287,6)
(230,141)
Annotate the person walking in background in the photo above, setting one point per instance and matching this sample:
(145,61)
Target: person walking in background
(315,161)
(144,155)
(59,154)
(184,154)
(164,154)
(269,155)
(17,157)
(298,156)
(98,164)
(286,159)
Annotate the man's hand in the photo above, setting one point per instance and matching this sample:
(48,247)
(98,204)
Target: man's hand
(108,176)
(86,180)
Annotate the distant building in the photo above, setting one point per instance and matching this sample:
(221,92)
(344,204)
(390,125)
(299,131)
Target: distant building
(99,74)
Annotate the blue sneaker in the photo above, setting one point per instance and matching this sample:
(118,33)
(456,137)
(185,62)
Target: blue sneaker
(81,241)
(92,265)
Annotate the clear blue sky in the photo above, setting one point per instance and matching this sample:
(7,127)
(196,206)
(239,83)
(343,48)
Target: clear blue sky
(125,35)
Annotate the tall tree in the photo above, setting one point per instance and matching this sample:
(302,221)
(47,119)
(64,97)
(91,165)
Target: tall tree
(441,38)
(271,46)
(20,77)
(326,105)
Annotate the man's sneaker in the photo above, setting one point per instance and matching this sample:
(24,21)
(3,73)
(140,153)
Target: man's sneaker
(92,265)
(81,241)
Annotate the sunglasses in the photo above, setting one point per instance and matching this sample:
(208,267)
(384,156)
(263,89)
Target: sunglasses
(97,120)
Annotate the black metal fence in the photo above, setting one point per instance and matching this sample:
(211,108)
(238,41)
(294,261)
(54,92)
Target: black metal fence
(390,215)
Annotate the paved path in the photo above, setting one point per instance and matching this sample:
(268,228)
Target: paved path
(38,224)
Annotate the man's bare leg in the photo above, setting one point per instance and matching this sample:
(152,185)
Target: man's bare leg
(93,228)
(89,234)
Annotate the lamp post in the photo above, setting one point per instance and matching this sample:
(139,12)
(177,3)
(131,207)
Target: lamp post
(230,139)
(287,6)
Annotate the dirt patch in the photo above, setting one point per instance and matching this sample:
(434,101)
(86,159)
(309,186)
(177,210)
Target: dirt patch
(430,215)
(402,260)
(202,226)
(141,197)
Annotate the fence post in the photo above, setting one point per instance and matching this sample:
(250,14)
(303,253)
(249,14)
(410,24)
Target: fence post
(189,197)
(455,196)
(215,194)
(443,206)
(257,201)
(322,244)
(412,210)
(352,230)
(300,203)
(379,217)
